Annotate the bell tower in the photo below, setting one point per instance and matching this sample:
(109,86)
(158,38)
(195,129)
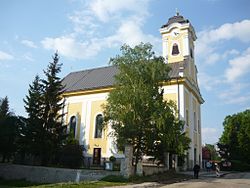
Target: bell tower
(178,38)
(178,43)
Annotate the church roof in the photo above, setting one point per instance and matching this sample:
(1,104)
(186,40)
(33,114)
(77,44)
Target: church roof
(101,77)
(175,19)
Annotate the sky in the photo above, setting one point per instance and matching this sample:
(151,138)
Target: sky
(88,33)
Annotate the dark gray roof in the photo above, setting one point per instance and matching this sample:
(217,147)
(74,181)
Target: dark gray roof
(176,19)
(101,77)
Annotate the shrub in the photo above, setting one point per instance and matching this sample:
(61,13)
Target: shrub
(71,156)
(112,159)
(240,166)
(113,178)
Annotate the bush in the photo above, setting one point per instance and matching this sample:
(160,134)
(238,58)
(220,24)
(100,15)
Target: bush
(240,166)
(112,159)
(113,178)
(71,156)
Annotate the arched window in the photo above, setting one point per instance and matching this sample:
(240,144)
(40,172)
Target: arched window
(98,126)
(175,50)
(72,126)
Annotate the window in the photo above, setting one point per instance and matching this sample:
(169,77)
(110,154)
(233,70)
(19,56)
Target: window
(199,126)
(72,126)
(98,126)
(191,53)
(187,119)
(195,157)
(175,50)
(195,124)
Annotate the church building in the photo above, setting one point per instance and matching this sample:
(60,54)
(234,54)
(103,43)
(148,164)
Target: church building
(87,90)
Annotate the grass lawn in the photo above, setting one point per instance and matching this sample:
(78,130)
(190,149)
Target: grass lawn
(164,178)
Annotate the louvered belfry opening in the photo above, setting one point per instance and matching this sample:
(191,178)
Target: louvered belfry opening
(175,50)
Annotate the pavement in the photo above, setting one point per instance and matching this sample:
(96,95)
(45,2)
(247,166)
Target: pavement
(205,174)
(210,174)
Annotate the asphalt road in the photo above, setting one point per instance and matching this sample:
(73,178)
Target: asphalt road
(233,180)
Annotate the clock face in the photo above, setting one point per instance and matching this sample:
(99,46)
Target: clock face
(175,33)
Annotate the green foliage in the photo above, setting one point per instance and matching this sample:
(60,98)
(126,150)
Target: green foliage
(234,142)
(240,166)
(71,156)
(136,109)
(32,137)
(112,159)
(44,133)
(213,152)
(8,130)
(113,178)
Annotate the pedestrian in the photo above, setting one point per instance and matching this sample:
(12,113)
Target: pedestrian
(217,170)
(208,166)
(196,170)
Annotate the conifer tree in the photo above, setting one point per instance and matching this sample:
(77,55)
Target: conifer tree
(8,130)
(32,137)
(53,104)
(44,132)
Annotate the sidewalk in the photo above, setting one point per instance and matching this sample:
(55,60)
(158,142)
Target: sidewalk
(210,174)
(202,173)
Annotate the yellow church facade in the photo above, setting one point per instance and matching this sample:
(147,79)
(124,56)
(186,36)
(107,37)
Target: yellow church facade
(86,92)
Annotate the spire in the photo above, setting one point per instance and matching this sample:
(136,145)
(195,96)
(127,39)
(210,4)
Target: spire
(177,12)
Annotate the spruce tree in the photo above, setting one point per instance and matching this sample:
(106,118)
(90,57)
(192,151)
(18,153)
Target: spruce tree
(32,140)
(8,130)
(53,104)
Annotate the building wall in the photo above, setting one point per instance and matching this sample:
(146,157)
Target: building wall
(87,106)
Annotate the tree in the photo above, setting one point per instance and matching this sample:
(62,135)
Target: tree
(8,130)
(235,138)
(43,135)
(212,151)
(32,137)
(4,108)
(53,104)
(135,107)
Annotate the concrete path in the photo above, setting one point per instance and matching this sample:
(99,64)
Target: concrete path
(210,174)
(203,175)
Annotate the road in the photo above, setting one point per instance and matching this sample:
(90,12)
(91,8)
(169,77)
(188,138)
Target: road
(238,180)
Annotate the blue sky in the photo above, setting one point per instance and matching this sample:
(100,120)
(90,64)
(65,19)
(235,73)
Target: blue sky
(88,33)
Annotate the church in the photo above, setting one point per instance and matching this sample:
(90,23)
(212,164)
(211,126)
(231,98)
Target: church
(86,91)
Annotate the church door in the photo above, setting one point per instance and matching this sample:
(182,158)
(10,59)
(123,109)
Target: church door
(97,156)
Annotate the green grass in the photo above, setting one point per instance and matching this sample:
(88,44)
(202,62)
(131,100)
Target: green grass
(16,183)
(164,178)
(23,183)
(82,184)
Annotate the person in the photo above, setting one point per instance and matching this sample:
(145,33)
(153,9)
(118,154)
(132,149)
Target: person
(217,170)
(196,170)
(208,166)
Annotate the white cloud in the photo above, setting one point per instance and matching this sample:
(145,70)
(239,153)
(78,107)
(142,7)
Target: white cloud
(29,43)
(233,95)
(131,34)
(209,82)
(208,40)
(211,50)
(5,56)
(69,47)
(239,66)
(210,135)
(106,9)
(28,56)
(101,25)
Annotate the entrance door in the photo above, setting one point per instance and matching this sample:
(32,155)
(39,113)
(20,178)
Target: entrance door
(97,156)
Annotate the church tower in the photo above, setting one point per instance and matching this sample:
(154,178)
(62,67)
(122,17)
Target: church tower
(178,37)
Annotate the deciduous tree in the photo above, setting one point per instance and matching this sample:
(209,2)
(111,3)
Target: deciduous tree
(136,109)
